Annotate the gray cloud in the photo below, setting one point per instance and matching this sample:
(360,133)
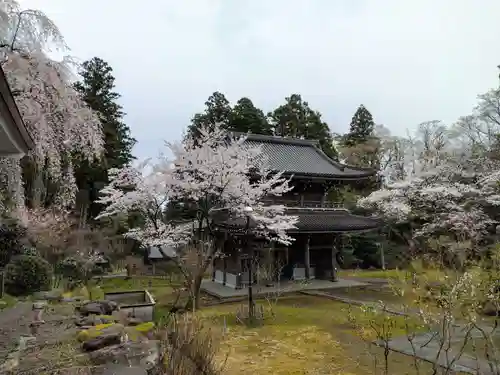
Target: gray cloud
(407,61)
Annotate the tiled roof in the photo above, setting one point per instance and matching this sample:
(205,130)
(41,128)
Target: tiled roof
(333,221)
(314,221)
(303,158)
(155,253)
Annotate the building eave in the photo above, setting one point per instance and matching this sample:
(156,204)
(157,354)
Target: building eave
(310,220)
(15,128)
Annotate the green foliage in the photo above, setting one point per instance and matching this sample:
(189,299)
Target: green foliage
(361,128)
(27,274)
(360,145)
(296,119)
(217,111)
(77,271)
(245,118)
(96,89)
(12,239)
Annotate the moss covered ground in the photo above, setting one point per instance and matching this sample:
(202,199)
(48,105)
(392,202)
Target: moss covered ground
(307,335)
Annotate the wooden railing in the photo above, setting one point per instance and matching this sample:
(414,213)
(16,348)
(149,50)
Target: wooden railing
(303,203)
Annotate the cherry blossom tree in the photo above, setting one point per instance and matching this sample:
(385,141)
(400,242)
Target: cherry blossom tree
(57,119)
(444,193)
(217,172)
(479,130)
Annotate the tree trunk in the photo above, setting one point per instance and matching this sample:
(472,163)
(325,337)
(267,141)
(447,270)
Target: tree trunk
(196,291)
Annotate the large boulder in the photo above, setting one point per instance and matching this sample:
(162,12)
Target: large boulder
(144,354)
(102,341)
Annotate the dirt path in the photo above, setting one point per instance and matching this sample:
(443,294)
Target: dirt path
(14,322)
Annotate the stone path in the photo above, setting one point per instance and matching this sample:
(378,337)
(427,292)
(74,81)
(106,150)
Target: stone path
(426,345)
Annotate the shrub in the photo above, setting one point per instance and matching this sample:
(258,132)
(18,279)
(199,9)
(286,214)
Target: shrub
(188,348)
(27,274)
(12,239)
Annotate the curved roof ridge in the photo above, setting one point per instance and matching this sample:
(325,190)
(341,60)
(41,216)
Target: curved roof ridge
(342,165)
(277,139)
(299,161)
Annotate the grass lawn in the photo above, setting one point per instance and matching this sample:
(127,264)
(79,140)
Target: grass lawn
(7,301)
(370,293)
(430,275)
(480,348)
(161,288)
(309,335)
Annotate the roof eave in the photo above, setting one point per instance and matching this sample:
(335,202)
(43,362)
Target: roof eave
(316,176)
(350,230)
(19,127)
(363,171)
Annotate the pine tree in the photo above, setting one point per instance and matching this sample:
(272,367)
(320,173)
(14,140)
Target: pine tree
(97,89)
(296,119)
(247,118)
(217,112)
(361,128)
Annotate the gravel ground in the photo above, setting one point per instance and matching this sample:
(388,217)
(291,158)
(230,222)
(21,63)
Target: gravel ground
(15,321)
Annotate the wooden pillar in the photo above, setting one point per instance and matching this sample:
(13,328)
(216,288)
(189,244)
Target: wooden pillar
(214,264)
(307,258)
(239,271)
(335,249)
(224,269)
(270,267)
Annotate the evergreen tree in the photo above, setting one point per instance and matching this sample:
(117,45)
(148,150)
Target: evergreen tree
(360,147)
(296,119)
(97,89)
(361,128)
(217,111)
(247,118)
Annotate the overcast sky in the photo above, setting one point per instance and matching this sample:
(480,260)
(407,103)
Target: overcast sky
(407,61)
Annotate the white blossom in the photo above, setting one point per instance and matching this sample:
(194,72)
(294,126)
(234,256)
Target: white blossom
(58,120)
(215,172)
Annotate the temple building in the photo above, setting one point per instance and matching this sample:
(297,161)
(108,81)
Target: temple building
(314,254)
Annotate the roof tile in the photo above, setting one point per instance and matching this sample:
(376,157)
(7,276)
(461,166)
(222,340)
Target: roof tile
(302,157)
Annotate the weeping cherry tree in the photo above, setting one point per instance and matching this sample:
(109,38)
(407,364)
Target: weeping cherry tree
(58,120)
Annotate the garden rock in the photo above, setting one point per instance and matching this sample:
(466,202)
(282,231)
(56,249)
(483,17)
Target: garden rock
(490,309)
(100,330)
(144,354)
(134,321)
(93,320)
(53,295)
(98,308)
(102,341)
